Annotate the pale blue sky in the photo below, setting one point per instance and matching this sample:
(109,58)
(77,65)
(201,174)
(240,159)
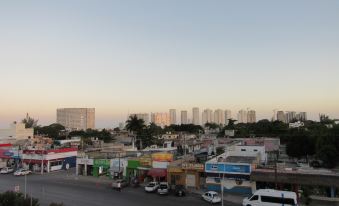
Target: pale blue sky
(143,56)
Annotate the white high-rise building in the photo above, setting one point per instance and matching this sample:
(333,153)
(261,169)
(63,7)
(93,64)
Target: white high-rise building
(143,116)
(242,116)
(228,115)
(251,116)
(184,117)
(219,117)
(281,116)
(173,116)
(290,116)
(302,116)
(160,119)
(195,116)
(207,116)
(76,118)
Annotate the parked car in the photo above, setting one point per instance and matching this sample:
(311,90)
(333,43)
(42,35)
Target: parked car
(180,190)
(152,187)
(21,172)
(6,170)
(212,197)
(123,183)
(163,188)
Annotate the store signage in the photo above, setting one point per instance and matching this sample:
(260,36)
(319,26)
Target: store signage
(145,161)
(192,166)
(101,162)
(162,157)
(228,168)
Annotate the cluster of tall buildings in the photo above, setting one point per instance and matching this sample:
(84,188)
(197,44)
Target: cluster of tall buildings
(247,116)
(291,116)
(218,116)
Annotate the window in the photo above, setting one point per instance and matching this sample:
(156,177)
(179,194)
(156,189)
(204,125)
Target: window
(255,150)
(243,150)
(255,197)
(278,200)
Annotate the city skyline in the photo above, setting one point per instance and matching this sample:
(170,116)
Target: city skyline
(127,57)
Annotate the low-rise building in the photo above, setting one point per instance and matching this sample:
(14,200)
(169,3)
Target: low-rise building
(16,131)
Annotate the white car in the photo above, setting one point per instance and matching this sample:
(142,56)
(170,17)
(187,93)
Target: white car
(212,197)
(6,170)
(163,188)
(152,187)
(21,172)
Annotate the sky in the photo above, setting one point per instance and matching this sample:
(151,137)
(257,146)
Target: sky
(132,56)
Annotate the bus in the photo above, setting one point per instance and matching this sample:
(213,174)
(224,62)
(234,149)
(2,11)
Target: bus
(269,197)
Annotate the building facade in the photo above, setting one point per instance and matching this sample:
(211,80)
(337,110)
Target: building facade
(281,116)
(16,131)
(195,116)
(184,117)
(219,117)
(76,118)
(207,116)
(251,116)
(173,116)
(143,116)
(242,116)
(228,115)
(160,119)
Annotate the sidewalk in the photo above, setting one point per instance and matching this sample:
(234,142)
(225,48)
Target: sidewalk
(233,198)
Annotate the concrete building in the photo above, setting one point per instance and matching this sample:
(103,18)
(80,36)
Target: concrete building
(281,116)
(160,119)
(302,116)
(16,131)
(184,119)
(173,116)
(251,116)
(219,117)
(143,116)
(242,116)
(228,115)
(76,118)
(195,116)
(207,116)
(290,116)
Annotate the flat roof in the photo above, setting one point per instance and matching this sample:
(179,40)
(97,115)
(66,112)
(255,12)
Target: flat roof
(240,159)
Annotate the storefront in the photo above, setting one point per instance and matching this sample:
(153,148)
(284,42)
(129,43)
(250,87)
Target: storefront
(118,168)
(235,177)
(84,167)
(101,167)
(132,168)
(145,166)
(193,174)
(187,174)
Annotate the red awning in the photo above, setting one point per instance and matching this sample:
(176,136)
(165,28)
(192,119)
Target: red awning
(155,172)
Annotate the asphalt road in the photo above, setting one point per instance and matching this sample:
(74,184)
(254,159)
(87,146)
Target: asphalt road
(65,187)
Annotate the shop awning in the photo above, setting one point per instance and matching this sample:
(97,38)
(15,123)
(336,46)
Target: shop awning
(155,172)
(143,168)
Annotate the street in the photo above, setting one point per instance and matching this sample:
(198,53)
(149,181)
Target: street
(73,191)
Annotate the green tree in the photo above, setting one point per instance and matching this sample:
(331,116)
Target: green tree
(53,131)
(328,154)
(29,121)
(11,198)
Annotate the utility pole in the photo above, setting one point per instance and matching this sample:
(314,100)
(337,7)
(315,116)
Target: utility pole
(222,189)
(275,170)
(25,186)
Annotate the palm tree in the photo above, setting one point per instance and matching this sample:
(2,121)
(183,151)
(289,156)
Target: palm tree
(135,125)
(29,122)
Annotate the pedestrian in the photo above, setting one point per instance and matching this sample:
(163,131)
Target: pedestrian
(119,186)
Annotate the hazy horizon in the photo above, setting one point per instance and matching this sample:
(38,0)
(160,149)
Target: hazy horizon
(130,56)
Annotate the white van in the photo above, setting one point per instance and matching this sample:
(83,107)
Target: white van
(269,197)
